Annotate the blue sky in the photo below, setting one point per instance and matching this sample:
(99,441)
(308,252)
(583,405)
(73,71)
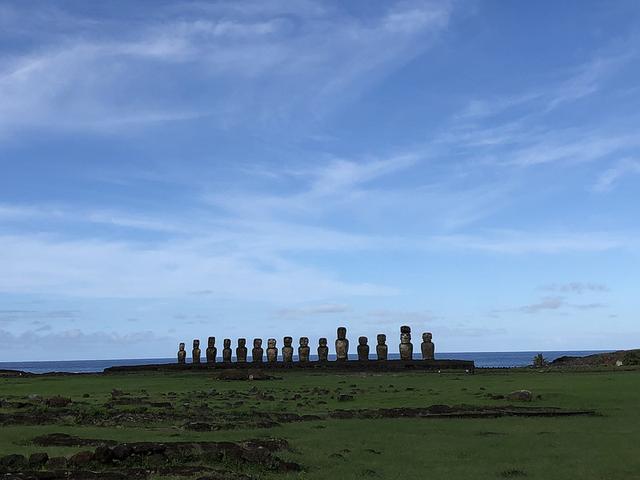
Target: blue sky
(173,170)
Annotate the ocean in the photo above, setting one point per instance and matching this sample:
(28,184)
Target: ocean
(481,359)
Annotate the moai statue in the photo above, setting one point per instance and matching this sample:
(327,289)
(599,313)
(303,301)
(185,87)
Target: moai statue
(427,346)
(272,351)
(287,350)
(406,348)
(257,351)
(381,348)
(241,351)
(226,351)
(182,354)
(212,351)
(342,345)
(195,353)
(304,350)
(363,349)
(323,350)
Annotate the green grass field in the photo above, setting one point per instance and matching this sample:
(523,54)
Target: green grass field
(605,446)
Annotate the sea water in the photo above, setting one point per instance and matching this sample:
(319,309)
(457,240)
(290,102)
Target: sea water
(481,359)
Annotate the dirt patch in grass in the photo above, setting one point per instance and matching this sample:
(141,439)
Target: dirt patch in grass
(458,411)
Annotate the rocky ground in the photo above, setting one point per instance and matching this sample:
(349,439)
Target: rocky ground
(621,358)
(300,425)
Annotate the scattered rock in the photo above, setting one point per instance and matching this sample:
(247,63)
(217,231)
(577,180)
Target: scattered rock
(57,401)
(81,459)
(440,409)
(104,455)
(343,397)
(121,451)
(38,459)
(57,463)
(520,396)
(13,461)
(513,473)
(147,448)
(198,426)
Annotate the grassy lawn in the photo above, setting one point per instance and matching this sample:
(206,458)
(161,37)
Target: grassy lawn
(606,446)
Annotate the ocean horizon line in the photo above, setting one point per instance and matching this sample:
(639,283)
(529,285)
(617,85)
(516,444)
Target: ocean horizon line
(500,359)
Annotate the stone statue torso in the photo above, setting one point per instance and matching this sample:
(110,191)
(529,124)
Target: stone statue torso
(342,349)
(287,351)
(428,350)
(363,349)
(226,351)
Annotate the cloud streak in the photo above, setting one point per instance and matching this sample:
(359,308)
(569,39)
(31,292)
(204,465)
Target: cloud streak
(612,176)
(577,287)
(312,310)
(93,72)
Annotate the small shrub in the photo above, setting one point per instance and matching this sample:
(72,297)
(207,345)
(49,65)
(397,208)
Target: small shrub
(539,361)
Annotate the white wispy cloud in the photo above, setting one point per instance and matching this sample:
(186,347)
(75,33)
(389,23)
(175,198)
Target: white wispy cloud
(610,177)
(576,287)
(522,242)
(36,316)
(550,304)
(572,85)
(513,130)
(47,344)
(547,303)
(101,268)
(268,61)
(307,311)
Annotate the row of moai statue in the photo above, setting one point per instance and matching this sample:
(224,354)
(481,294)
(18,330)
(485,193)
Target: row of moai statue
(341,345)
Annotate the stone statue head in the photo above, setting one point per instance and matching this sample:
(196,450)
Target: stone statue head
(227,343)
(242,342)
(405,338)
(342,333)
(322,342)
(362,340)
(304,341)
(181,347)
(257,342)
(212,342)
(426,337)
(271,343)
(288,341)
(196,343)
(382,338)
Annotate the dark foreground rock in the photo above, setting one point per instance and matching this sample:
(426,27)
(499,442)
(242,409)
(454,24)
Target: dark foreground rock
(113,461)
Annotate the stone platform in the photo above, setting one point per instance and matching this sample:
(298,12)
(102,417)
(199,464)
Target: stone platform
(315,366)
